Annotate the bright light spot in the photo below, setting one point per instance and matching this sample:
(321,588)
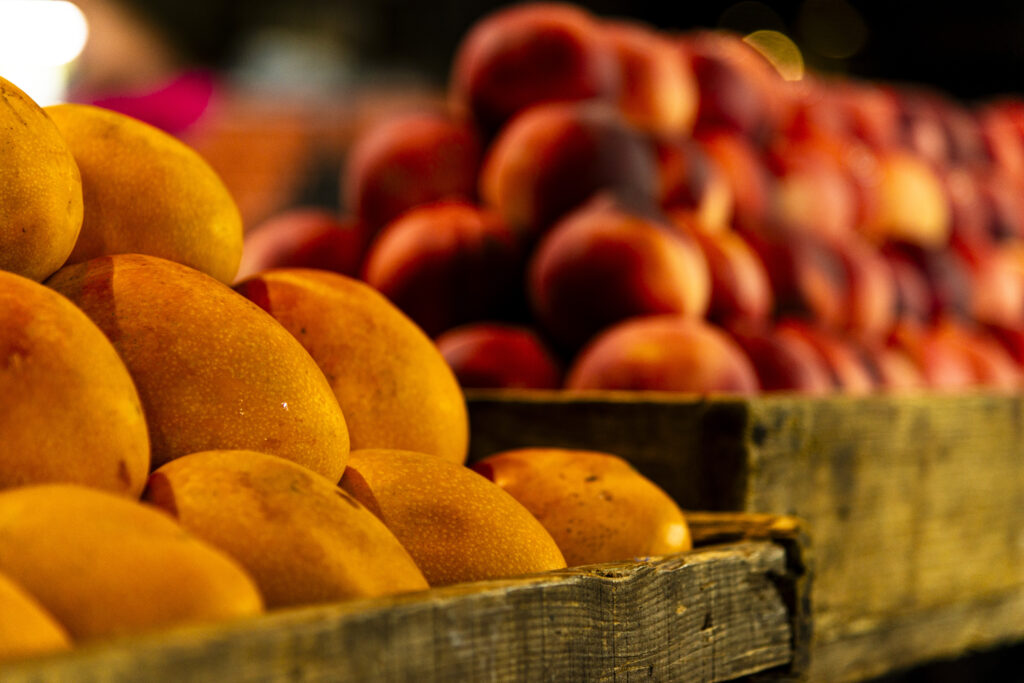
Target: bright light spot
(782,52)
(38,40)
(41,32)
(676,534)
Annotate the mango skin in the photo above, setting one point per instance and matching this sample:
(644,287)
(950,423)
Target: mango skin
(145,191)
(456,525)
(104,566)
(69,411)
(26,628)
(213,370)
(41,205)
(303,539)
(595,505)
(394,385)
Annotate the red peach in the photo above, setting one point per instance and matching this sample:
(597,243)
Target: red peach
(528,54)
(659,91)
(664,353)
(408,160)
(944,366)
(808,276)
(784,363)
(740,288)
(992,365)
(738,87)
(846,362)
(444,264)
(896,371)
(499,356)
(553,157)
(305,237)
(812,192)
(748,180)
(602,264)
(912,205)
(692,183)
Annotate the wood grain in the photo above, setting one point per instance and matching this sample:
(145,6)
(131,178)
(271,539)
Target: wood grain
(712,614)
(915,503)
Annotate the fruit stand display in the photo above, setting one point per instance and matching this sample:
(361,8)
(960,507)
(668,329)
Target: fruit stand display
(914,501)
(733,607)
(624,271)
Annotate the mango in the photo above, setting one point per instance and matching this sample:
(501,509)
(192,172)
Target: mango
(104,566)
(40,189)
(595,505)
(146,192)
(213,370)
(302,538)
(456,525)
(69,410)
(26,628)
(393,384)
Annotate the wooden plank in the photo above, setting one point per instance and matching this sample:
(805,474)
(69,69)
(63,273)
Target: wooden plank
(712,614)
(915,503)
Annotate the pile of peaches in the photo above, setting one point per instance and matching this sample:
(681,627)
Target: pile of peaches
(604,205)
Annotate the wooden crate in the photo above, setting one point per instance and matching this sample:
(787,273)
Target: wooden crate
(735,607)
(915,503)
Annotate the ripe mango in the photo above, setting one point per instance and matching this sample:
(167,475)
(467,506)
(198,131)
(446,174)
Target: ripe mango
(302,538)
(595,505)
(25,627)
(212,369)
(147,192)
(69,410)
(456,525)
(40,189)
(395,387)
(104,566)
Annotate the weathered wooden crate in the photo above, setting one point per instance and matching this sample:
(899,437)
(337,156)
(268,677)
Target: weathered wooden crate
(915,503)
(735,607)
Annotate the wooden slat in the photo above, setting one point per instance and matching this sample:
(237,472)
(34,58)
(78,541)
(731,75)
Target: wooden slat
(711,614)
(915,503)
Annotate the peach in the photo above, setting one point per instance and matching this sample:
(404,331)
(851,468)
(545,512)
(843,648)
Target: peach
(923,132)
(812,192)
(993,366)
(746,176)
(913,293)
(997,273)
(408,160)
(1002,130)
(528,54)
(807,274)
(944,365)
(553,157)
(659,91)
(896,371)
(912,204)
(691,183)
(1011,339)
(949,279)
(1002,203)
(496,355)
(740,288)
(603,264)
(784,363)
(304,237)
(664,353)
(446,263)
(847,363)
(738,87)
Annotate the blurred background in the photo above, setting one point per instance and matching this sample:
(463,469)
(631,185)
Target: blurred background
(302,76)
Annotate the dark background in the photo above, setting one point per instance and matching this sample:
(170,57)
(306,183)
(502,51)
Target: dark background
(971,50)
